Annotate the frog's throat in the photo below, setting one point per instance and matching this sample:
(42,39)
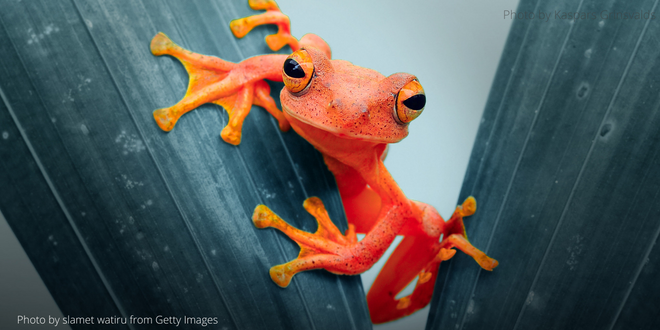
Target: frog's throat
(337,131)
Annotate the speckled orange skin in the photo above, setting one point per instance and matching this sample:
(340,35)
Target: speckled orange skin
(347,113)
(348,100)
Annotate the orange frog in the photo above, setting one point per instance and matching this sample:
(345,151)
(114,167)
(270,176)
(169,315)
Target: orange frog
(350,114)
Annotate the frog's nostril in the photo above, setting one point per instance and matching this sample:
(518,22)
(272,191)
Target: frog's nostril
(293,69)
(415,102)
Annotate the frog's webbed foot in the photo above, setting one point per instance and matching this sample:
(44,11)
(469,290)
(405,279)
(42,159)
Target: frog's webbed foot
(420,256)
(456,236)
(273,15)
(234,86)
(322,249)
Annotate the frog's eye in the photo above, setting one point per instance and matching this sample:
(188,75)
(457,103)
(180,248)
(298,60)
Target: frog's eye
(297,71)
(409,102)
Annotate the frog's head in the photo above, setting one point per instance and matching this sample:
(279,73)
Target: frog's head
(347,100)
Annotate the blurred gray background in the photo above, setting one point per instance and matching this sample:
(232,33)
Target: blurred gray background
(453,47)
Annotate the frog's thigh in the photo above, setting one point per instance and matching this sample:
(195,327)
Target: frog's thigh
(361,203)
(362,210)
(411,258)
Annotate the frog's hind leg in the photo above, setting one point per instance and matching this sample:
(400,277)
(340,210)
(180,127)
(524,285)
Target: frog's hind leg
(317,250)
(419,255)
(455,235)
(412,258)
(212,80)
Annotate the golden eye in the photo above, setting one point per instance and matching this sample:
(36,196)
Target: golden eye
(297,71)
(409,102)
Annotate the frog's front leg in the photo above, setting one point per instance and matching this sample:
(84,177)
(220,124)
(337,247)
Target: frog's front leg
(234,86)
(242,26)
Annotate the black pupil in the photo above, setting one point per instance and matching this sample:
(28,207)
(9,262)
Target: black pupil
(293,69)
(415,102)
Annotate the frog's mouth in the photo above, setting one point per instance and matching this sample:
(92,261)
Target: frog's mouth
(314,124)
(342,133)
